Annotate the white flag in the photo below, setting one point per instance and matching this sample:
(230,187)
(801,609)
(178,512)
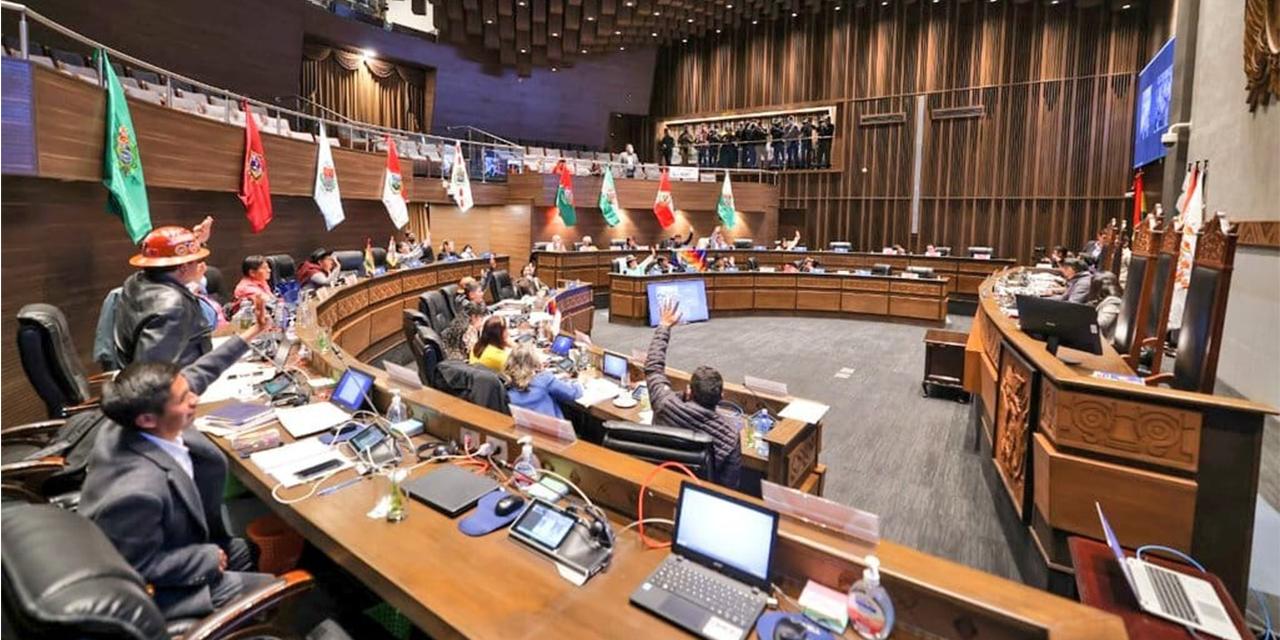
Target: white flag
(459,184)
(326,193)
(393,188)
(1192,219)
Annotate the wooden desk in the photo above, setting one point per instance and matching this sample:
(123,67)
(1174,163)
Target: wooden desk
(594,266)
(453,586)
(1170,467)
(730,293)
(1101,583)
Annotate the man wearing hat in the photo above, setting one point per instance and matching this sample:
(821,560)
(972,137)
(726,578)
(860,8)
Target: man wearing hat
(158,319)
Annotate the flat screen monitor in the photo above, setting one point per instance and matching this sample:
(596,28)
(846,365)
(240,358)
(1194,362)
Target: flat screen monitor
(742,243)
(692,295)
(881,269)
(351,390)
(1060,323)
(614,366)
(561,345)
(1151,108)
(734,536)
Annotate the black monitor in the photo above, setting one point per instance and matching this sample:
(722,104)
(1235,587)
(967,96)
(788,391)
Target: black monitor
(981,251)
(881,269)
(1059,323)
(923,272)
(742,243)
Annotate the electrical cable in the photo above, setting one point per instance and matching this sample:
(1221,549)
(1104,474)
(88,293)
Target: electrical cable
(644,489)
(311,492)
(666,521)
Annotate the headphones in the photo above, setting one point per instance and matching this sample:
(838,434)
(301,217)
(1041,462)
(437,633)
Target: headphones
(431,450)
(598,528)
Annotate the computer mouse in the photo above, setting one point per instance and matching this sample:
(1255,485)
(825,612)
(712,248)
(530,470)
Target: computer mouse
(508,505)
(788,629)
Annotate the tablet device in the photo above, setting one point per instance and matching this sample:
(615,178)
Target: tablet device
(561,345)
(543,525)
(352,389)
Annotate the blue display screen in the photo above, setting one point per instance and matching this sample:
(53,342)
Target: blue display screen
(1155,87)
(351,389)
(692,295)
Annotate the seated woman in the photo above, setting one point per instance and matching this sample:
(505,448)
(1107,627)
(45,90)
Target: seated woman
(630,244)
(447,251)
(256,281)
(319,271)
(556,244)
(467,253)
(587,244)
(633,268)
(493,345)
(529,284)
(1104,294)
(535,390)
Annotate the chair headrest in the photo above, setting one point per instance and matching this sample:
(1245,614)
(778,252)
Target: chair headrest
(675,437)
(50,321)
(282,267)
(62,573)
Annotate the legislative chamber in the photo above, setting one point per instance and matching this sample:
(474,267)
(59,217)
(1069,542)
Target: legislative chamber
(807,319)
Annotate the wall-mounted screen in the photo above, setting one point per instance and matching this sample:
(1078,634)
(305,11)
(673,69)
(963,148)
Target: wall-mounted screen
(1155,87)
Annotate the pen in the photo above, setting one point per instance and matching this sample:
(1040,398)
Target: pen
(340,485)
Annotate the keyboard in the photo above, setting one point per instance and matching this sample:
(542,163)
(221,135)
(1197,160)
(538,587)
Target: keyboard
(1173,598)
(736,603)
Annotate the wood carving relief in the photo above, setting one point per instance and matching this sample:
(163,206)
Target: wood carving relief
(1121,428)
(419,280)
(802,459)
(1216,246)
(916,288)
(1013,422)
(385,290)
(1146,238)
(1261,51)
(990,340)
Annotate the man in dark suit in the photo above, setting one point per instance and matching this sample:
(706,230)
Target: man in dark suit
(779,146)
(155,484)
(826,131)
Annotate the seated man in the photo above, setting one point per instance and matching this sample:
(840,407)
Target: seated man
(158,319)
(256,282)
(1079,281)
(788,245)
(588,244)
(319,271)
(556,244)
(697,409)
(154,484)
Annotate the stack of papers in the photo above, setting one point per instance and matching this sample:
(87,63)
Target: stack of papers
(283,463)
(806,411)
(596,390)
(235,418)
(311,418)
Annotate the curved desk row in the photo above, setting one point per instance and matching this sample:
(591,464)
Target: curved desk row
(454,586)
(1169,467)
(837,293)
(595,266)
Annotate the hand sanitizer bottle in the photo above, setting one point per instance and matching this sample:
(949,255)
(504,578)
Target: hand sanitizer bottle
(527,465)
(396,412)
(870,609)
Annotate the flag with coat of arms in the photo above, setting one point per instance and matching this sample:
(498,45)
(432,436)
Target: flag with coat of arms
(393,188)
(663,207)
(564,194)
(326,193)
(122,165)
(459,185)
(725,207)
(609,199)
(255,190)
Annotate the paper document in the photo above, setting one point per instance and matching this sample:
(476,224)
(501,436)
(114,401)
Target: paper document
(596,390)
(806,411)
(311,418)
(283,463)
(237,382)
(764,385)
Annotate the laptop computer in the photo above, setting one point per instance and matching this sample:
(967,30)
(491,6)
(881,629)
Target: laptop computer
(348,397)
(716,581)
(1184,599)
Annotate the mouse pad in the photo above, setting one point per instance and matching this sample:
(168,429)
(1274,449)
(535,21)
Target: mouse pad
(769,621)
(483,520)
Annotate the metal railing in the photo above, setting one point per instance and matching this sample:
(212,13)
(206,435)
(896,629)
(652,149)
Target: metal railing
(337,124)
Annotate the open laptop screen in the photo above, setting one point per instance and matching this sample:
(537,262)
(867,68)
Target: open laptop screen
(351,390)
(1114,543)
(731,536)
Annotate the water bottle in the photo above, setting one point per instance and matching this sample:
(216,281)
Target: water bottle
(244,317)
(397,412)
(761,423)
(626,378)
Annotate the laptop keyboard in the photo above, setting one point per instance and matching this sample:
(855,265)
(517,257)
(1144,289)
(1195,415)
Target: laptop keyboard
(1173,598)
(737,604)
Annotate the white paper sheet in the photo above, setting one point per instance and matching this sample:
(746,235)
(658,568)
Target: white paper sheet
(283,463)
(311,418)
(597,390)
(805,411)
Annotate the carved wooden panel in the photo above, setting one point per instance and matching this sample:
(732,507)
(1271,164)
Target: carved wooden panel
(769,299)
(1134,430)
(818,300)
(1146,239)
(1261,52)
(915,288)
(1216,247)
(990,339)
(776,281)
(384,288)
(866,285)
(1013,426)
(419,279)
(817,282)
(1259,233)
(874,303)
(733,299)
(801,459)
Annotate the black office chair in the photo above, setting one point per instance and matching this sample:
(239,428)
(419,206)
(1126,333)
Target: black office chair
(474,383)
(50,360)
(428,353)
(437,309)
(283,270)
(350,262)
(753,264)
(47,461)
(379,258)
(213,284)
(500,286)
(657,444)
(64,579)
(412,320)
(451,292)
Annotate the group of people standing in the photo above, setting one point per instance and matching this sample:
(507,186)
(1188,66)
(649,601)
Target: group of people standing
(793,142)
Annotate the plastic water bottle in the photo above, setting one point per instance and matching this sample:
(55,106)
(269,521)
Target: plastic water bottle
(761,423)
(244,317)
(526,466)
(870,609)
(397,412)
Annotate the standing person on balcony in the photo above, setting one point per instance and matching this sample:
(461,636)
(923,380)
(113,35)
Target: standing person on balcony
(687,150)
(779,146)
(630,161)
(826,132)
(667,146)
(701,141)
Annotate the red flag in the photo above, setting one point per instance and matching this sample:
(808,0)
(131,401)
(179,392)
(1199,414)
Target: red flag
(1139,199)
(663,207)
(255,191)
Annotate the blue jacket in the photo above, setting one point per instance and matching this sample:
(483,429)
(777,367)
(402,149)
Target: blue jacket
(543,392)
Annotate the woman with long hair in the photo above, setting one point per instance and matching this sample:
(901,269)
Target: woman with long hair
(533,388)
(492,346)
(1104,294)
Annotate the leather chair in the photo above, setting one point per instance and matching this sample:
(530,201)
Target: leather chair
(64,579)
(474,383)
(1150,348)
(428,353)
(350,262)
(284,277)
(500,286)
(437,309)
(379,258)
(657,444)
(1203,316)
(47,461)
(51,363)
(451,292)
(213,284)
(1134,305)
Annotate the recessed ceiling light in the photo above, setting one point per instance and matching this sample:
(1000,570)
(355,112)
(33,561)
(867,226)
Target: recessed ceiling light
(521,3)
(717,31)
(584,50)
(369,53)
(524,51)
(591,18)
(794,14)
(885,3)
(555,68)
(1055,2)
(1125,7)
(755,22)
(837,7)
(728,6)
(684,40)
(657,13)
(690,19)
(617,33)
(622,48)
(555,34)
(654,34)
(629,3)
(490,21)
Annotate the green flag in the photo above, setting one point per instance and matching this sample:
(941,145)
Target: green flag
(725,206)
(121,164)
(564,196)
(609,199)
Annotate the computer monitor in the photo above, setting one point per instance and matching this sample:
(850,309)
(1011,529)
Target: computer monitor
(561,345)
(614,366)
(352,389)
(981,251)
(617,243)
(733,535)
(692,295)
(943,251)
(881,269)
(742,243)
(1060,323)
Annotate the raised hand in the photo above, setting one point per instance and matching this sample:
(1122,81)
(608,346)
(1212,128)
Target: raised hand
(669,314)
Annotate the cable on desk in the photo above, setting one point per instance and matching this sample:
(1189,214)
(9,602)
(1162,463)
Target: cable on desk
(314,486)
(644,489)
(666,521)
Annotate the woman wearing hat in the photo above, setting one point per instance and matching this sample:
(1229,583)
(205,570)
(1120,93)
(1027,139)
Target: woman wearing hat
(158,319)
(319,271)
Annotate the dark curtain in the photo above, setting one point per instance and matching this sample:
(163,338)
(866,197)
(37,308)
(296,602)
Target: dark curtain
(365,89)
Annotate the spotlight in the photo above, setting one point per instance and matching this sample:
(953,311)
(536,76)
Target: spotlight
(369,53)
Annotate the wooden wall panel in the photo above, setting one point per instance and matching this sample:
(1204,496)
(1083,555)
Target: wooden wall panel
(643,226)
(1046,163)
(499,229)
(61,247)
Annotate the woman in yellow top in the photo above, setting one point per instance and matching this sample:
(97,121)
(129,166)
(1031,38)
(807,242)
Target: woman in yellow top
(492,346)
